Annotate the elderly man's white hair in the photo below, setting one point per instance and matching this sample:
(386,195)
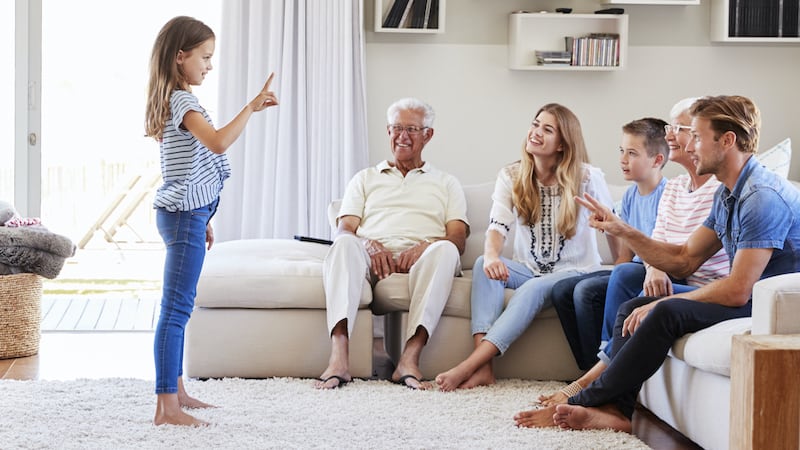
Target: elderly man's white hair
(412,104)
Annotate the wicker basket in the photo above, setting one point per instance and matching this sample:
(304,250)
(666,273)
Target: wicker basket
(20,314)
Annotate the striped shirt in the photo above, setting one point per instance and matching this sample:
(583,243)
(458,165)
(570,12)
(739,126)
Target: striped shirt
(680,212)
(193,175)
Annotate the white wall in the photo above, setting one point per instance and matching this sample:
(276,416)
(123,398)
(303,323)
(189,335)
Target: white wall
(484,109)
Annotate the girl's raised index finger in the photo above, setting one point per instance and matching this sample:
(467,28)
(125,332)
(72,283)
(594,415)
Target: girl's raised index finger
(269,81)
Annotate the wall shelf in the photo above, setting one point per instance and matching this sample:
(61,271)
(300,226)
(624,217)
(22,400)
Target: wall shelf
(652,2)
(383,7)
(720,28)
(529,32)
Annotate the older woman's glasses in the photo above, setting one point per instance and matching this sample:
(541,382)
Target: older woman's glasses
(411,130)
(676,129)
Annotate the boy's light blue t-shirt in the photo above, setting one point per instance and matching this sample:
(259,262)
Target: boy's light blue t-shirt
(640,210)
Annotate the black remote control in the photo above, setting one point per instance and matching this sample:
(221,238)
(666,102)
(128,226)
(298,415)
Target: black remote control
(311,239)
(610,11)
(564,10)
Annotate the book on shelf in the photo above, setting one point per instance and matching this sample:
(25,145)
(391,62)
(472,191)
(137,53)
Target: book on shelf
(433,15)
(547,58)
(763,18)
(596,49)
(418,11)
(405,18)
(396,12)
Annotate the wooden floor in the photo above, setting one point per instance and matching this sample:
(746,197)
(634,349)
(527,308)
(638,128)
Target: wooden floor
(100,312)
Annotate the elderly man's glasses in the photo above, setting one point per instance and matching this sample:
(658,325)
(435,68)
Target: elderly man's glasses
(676,128)
(411,130)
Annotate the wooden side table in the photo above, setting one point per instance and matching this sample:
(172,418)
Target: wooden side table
(765,392)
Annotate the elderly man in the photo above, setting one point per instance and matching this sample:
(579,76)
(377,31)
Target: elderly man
(401,216)
(755,217)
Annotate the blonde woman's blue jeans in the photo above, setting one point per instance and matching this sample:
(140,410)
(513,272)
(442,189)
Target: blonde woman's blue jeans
(531,295)
(184,235)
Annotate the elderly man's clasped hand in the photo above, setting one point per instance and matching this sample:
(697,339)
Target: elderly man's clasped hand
(383,263)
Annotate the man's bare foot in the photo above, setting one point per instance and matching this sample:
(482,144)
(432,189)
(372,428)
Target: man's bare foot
(178,418)
(556,398)
(575,417)
(536,418)
(484,376)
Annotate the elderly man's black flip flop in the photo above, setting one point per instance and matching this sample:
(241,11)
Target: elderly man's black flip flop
(342,381)
(402,381)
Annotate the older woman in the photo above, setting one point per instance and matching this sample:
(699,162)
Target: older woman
(552,241)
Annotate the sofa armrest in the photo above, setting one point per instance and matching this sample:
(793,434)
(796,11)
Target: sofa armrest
(776,305)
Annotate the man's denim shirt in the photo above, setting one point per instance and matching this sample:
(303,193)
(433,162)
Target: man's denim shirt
(763,211)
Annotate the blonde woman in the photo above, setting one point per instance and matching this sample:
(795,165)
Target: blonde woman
(535,195)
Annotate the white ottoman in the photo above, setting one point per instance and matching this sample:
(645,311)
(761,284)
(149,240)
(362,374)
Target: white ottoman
(260,312)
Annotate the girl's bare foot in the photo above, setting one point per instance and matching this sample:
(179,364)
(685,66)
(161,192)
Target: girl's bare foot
(536,418)
(452,379)
(168,412)
(575,417)
(556,398)
(185,401)
(179,418)
(192,403)
(484,376)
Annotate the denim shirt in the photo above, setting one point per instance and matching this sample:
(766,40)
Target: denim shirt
(762,211)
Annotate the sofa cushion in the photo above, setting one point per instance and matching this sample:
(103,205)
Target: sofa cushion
(778,158)
(265,273)
(710,349)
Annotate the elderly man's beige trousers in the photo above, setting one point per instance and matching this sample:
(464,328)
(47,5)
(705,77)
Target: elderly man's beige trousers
(429,282)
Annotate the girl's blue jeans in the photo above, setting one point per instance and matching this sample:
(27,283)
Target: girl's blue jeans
(532,294)
(184,235)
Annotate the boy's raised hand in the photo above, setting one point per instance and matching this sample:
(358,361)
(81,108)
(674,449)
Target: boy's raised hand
(265,98)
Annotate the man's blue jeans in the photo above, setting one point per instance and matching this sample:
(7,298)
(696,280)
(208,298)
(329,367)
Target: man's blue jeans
(184,235)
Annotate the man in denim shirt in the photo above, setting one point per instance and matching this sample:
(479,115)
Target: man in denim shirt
(755,216)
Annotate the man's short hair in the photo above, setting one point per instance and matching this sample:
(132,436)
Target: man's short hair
(652,129)
(733,113)
(411,104)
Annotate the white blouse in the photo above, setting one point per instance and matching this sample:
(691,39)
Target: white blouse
(540,246)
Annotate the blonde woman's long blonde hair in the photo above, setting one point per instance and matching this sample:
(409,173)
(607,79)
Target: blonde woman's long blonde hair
(180,33)
(569,174)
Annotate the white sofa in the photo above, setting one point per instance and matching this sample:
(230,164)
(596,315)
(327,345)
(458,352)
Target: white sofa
(260,312)
(691,390)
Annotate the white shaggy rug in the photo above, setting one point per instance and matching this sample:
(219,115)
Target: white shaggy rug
(116,413)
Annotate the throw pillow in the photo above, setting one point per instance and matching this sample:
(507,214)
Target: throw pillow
(778,158)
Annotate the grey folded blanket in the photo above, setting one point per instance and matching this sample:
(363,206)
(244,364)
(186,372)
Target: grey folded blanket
(34,249)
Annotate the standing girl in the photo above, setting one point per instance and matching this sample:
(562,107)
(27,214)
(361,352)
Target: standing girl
(536,197)
(193,167)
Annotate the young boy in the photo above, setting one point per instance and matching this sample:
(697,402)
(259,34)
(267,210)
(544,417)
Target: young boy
(580,300)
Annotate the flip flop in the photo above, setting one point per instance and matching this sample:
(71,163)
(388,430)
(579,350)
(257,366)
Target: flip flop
(342,381)
(402,381)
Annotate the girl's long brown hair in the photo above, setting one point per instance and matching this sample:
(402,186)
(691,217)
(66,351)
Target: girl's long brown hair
(569,174)
(180,33)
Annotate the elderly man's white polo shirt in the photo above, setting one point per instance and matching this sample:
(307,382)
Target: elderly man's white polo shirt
(401,211)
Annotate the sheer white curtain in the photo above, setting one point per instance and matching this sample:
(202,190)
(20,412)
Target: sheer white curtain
(294,158)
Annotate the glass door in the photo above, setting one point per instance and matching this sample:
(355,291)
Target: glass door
(7,20)
(98,171)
